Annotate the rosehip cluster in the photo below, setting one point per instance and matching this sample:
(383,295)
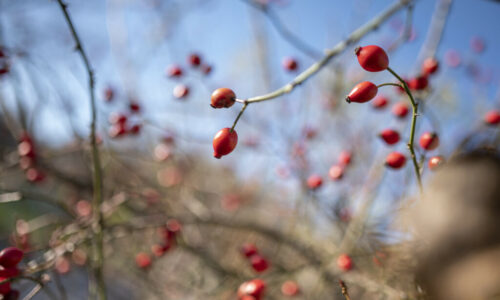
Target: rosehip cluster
(27,159)
(336,171)
(9,259)
(175,71)
(168,235)
(120,125)
(252,290)
(258,262)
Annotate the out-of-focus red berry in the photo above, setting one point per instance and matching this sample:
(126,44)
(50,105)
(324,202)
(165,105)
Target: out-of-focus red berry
(259,263)
(400,109)
(255,288)
(180,91)
(435,162)
(429,141)
(336,172)
(380,102)
(418,83)
(194,59)
(290,64)
(345,158)
(395,160)
(143,260)
(430,66)
(492,117)
(174,71)
(290,288)
(390,136)
(314,182)
(249,249)
(10,257)
(344,262)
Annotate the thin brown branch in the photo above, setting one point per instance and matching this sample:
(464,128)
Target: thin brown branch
(98,223)
(343,286)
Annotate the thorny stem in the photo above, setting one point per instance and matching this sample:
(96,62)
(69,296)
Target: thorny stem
(99,290)
(343,286)
(414,105)
(329,54)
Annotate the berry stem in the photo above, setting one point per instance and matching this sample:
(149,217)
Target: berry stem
(245,104)
(414,106)
(389,83)
(343,286)
(99,290)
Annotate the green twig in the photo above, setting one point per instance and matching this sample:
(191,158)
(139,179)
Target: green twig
(97,249)
(414,105)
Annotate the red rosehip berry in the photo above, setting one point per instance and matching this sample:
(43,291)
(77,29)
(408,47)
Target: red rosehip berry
(180,91)
(134,106)
(35,175)
(380,102)
(452,58)
(290,64)
(259,263)
(194,59)
(159,250)
(109,94)
(222,97)
(174,226)
(117,130)
(390,136)
(9,272)
(255,288)
(418,83)
(435,162)
(26,149)
(224,142)
(249,249)
(4,287)
(344,262)
(314,182)
(429,141)
(430,66)
(492,117)
(174,71)
(10,257)
(336,172)
(143,260)
(395,160)
(290,288)
(362,92)
(400,109)
(345,158)
(477,44)
(135,129)
(12,295)
(206,69)
(117,118)
(372,58)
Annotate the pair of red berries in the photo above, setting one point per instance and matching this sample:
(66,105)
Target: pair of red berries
(226,139)
(258,262)
(336,171)
(143,260)
(373,59)
(27,159)
(9,259)
(120,127)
